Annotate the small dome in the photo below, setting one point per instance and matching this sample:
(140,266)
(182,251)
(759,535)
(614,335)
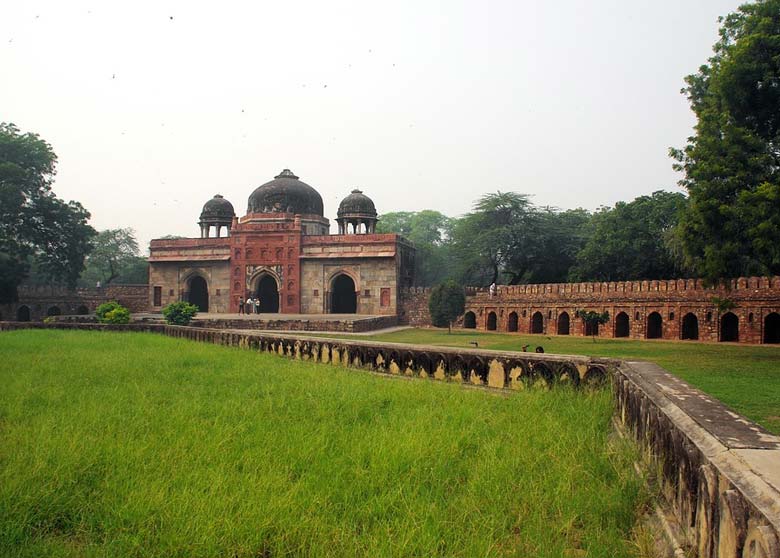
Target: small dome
(357,203)
(217,209)
(286,194)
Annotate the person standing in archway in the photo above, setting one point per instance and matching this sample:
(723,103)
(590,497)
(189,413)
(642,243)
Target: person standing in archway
(240,305)
(257,305)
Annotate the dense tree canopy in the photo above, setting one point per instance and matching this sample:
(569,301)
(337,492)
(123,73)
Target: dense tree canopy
(731,163)
(631,240)
(115,258)
(36,227)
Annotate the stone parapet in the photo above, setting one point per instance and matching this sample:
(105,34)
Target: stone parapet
(38,302)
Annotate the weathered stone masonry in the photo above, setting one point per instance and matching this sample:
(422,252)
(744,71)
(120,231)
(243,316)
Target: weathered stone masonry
(720,471)
(673,309)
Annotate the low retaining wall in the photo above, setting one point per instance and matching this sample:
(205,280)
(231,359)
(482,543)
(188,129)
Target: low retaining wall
(720,471)
(359,325)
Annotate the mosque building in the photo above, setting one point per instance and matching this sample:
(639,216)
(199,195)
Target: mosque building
(282,252)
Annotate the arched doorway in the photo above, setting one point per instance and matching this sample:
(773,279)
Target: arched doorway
(268,292)
(492,321)
(511,322)
(772,328)
(54,311)
(198,293)
(622,326)
(655,327)
(729,327)
(690,326)
(537,323)
(564,324)
(343,296)
(23,314)
(82,310)
(469,320)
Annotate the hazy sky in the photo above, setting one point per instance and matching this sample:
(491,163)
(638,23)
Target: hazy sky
(154,107)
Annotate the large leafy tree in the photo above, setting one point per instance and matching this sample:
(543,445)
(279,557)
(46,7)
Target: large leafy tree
(731,164)
(115,258)
(429,230)
(631,240)
(36,226)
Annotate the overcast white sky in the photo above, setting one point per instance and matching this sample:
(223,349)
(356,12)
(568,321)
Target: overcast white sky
(154,107)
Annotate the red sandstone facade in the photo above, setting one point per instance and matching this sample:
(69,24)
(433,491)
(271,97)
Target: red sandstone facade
(675,309)
(281,253)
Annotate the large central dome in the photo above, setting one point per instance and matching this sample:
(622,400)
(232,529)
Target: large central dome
(286,194)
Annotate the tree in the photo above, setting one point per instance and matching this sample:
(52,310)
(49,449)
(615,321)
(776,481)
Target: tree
(429,230)
(732,162)
(592,320)
(36,226)
(630,240)
(115,256)
(447,302)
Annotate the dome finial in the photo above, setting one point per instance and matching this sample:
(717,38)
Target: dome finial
(286,173)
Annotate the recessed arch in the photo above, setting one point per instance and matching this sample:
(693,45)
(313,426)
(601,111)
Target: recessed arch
(267,290)
(343,294)
(622,325)
(23,313)
(82,310)
(511,322)
(198,292)
(729,327)
(772,328)
(690,326)
(564,323)
(469,320)
(54,311)
(537,323)
(655,327)
(492,321)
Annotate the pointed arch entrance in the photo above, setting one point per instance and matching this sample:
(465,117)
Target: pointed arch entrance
(343,295)
(537,323)
(622,328)
(564,323)
(469,320)
(267,290)
(511,322)
(492,321)
(198,293)
(729,327)
(690,326)
(655,326)
(23,314)
(772,328)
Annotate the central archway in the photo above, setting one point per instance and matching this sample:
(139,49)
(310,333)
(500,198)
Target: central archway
(268,292)
(343,295)
(729,327)
(564,323)
(690,326)
(198,293)
(469,320)
(655,327)
(23,314)
(622,326)
(511,322)
(492,321)
(537,323)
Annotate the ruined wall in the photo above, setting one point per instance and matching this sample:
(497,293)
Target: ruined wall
(413,306)
(674,309)
(36,303)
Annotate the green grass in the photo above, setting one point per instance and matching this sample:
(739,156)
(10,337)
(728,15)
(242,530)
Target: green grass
(744,377)
(141,445)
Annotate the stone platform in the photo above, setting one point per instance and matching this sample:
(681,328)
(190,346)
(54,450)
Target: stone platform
(347,323)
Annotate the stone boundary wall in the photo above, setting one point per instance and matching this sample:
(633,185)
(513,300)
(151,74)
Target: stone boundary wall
(361,325)
(681,309)
(720,471)
(40,302)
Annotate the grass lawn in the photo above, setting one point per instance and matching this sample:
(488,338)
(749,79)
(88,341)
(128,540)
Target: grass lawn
(140,445)
(745,377)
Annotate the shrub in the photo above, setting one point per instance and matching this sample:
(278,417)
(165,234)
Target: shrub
(179,313)
(447,302)
(112,313)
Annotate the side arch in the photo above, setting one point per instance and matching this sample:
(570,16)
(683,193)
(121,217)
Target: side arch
(343,293)
(23,313)
(655,327)
(469,320)
(690,327)
(537,323)
(729,327)
(564,323)
(772,328)
(622,325)
(511,322)
(492,321)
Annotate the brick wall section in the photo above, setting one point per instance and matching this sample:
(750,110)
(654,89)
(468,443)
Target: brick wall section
(41,301)
(674,309)
(348,326)
(413,306)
